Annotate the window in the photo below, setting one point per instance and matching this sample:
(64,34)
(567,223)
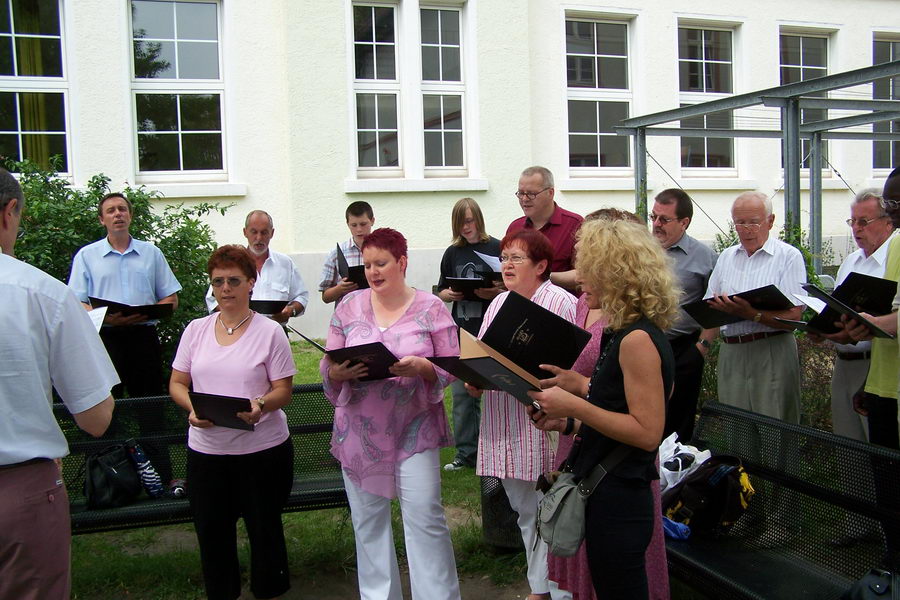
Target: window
(32,83)
(178,86)
(705,72)
(803,58)
(886,155)
(599,94)
(410,131)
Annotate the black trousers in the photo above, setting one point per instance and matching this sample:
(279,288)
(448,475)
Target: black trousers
(618,527)
(225,487)
(886,472)
(681,409)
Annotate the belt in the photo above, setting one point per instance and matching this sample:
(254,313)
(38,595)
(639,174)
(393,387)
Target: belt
(854,355)
(751,337)
(30,461)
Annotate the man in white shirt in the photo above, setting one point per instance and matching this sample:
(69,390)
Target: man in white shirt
(48,339)
(758,368)
(277,276)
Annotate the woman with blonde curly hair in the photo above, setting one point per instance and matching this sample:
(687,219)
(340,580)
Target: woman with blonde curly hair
(624,273)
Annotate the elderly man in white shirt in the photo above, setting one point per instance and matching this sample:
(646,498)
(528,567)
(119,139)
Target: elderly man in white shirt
(759,368)
(277,275)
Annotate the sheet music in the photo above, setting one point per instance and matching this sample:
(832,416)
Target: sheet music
(492,261)
(97,316)
(814,303)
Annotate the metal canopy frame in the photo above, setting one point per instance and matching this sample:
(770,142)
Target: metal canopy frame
(790,98)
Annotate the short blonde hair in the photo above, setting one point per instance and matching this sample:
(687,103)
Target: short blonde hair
(629,272)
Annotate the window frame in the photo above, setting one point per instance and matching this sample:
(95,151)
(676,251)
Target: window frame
(807,34)
(893,39)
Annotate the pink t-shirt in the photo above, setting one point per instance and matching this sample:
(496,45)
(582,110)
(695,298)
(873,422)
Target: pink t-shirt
(243,370)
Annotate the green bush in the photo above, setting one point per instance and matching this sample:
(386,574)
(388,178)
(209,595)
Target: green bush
(60,219)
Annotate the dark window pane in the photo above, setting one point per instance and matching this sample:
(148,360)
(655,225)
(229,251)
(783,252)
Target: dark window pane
(6,59)
(580,71)
(387,111)
(611,39)
(156,112)
(431,69)
(434,153)
(881,89)
(158,152)
(583,151)
(719,120)
(613,73)
(9,147)
(718,77)
(813,74)
(365,111)
(365,61)
(692,152)
(690,43)
(613,151)
(815,52)
(196,21)
(153,19)
(367,149)
(362,24)
(689,76)
(36,16)
(579,37)
(881,52)
(611,115)
(40,148)
(384,24)
(790,75)
(719,152)
(39,57)
(790,50)
(881,151)
(201,151)
(582,116)
(200,112)
(453,112)
(451,69)
(384,62)
(198,60)
(431,111)
(388,150)
(154,60)
(5,21)
(42,111)
(453,149)
(9,120)
(430,31)
(718,45)
(449,27)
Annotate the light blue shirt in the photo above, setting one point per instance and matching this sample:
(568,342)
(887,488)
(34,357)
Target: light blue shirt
(138,276)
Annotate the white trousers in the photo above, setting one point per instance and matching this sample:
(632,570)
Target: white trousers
(523,499)
(429,551)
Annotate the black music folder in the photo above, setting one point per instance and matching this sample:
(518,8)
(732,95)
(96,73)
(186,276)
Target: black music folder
(375,355)
(864,293)
(842,309)
(221,410)
(151,311)
(268,307)
(355,274)
(468,285)
(768,297)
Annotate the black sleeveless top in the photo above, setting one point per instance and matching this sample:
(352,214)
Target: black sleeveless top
(607,390)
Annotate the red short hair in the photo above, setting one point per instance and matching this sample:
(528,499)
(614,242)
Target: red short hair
(536,245)
(388,239)
(232,255)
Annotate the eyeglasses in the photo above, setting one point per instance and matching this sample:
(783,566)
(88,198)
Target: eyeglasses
(20,233)
(863,222)
(662,220)
(530,195)
(891,203)
(747,226)
(218,282)
(515,260)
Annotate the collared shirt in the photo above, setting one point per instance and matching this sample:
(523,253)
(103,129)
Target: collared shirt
(279,279)
(48,342)
(560,230)
(885,363)
(138,276)
(694,263)
(509,446)
(330,276)
(776,263)
(858,262)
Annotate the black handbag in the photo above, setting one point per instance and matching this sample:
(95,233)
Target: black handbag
(877,584)
(110,478)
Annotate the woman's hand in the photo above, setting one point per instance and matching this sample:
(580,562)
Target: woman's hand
(541,421)
(196,421)
(473,391)
(252,416)
(569,380)
(555,403)
(345,372)
(413,366)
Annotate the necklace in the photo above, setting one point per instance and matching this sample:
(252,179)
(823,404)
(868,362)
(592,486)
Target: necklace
(230,330)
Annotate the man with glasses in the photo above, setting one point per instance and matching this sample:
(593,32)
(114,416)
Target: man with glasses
(535,194)
(277,277)
(758,368)
(694,262)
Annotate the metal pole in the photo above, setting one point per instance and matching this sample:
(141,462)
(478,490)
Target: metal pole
(790,123)
(640,172)
(815,199)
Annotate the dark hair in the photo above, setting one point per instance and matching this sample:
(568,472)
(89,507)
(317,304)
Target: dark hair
(358,209)
(232,255)
(10,190)
(611,213)
(684,208)
(388,239)
(892,186)
(535,244)
(110,196)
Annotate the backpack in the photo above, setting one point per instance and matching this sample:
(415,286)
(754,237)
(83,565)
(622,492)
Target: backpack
(712,497)
(111,479)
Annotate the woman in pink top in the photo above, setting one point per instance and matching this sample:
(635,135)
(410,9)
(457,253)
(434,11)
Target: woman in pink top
(236,473)
(387,432)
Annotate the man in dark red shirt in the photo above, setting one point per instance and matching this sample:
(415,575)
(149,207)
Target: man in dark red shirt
(535,196)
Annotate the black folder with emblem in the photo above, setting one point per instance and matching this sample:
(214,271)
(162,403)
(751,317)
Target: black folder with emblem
(374,355)
(768,297)
(468,285)
(268,307)
(151,311)
(863,293)
(355,274)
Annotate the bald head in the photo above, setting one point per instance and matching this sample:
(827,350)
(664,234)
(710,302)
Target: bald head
(753,219)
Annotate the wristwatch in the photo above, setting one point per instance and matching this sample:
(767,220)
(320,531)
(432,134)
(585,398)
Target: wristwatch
(294,312)
(757,318)
(704,343)
(261,402)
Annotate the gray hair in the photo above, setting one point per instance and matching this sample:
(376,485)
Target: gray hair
(544,172)
(767,202)
(10,190)
(871,194)
(259,212)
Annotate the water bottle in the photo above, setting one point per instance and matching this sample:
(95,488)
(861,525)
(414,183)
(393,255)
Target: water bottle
(149,477)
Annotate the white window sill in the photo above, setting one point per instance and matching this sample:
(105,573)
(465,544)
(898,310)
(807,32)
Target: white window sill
(725,183)
(199,190)
(827,184)
(590,184)
(371,186)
